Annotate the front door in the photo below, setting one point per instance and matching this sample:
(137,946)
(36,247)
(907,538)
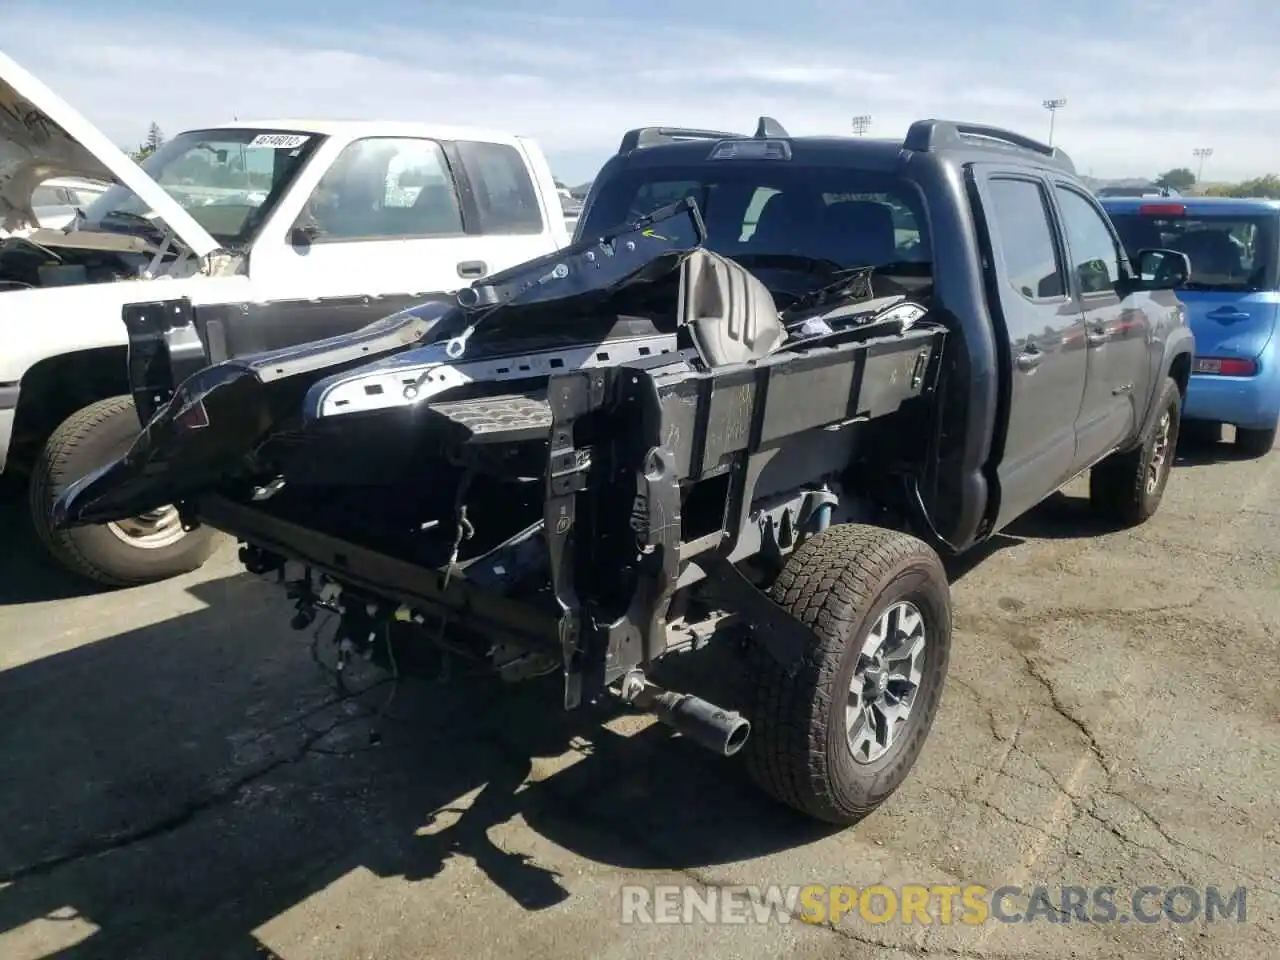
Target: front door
(1117,332)
(392,222)
(1046,345)
(383,228)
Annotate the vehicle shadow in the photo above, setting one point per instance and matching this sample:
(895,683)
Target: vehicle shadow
(1061,516)
(960,566)
(1065,516)
(182,784)
(1206,447)
(27,574)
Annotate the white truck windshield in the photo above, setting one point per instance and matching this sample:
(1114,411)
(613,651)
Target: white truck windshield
(223,178)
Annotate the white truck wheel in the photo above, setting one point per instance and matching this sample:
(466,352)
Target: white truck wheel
(143,549)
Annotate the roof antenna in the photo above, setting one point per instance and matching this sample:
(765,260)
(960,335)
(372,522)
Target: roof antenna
(769,127)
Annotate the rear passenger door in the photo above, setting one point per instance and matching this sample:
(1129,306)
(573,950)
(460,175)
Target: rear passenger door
(1117,332)
(1045,330)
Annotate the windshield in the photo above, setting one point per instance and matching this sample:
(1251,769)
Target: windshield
(1228,252)
(782,214)
(226,179)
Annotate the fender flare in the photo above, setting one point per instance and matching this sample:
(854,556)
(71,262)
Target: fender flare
(1179,350)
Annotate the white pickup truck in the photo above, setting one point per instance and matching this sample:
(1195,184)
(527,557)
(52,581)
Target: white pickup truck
(295,229)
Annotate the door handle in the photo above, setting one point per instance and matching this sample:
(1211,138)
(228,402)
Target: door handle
(472,268)
(1028,360)
(1228,315)
(1096,336)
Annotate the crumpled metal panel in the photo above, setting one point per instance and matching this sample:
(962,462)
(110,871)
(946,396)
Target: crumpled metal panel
(219,419)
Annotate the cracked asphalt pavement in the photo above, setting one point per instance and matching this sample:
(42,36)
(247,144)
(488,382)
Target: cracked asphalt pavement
(180,780)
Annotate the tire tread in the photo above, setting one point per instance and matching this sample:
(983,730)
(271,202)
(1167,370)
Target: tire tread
(52,474)
(1117,485)
(828,583)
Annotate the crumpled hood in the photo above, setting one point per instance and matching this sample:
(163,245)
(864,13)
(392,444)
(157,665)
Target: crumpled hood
(42,137)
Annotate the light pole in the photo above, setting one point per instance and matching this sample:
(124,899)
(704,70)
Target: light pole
(1201,154)
(861,123)
(1053,106)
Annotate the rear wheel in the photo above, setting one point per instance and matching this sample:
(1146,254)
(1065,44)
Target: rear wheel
(142,549)
(1255,443)
(1127,488)
(1200,432)
(839,736)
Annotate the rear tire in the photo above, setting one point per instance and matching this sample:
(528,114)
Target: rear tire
(1126,488)
(1255,443)
(1204,433)
(142,550)
(843,584)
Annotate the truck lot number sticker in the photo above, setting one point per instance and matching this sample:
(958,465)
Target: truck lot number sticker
(284,141)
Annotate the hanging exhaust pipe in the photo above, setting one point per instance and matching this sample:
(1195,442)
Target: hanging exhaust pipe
(718,730)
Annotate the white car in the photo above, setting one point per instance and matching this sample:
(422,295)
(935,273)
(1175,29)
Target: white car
(56,201)
(308,228)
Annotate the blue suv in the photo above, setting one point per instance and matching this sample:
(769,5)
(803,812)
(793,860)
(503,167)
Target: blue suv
(1232,300)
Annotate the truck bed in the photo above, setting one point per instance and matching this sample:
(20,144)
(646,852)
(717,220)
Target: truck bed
(659,451)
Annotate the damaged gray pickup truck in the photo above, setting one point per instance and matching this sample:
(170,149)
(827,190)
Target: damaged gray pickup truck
(761,408)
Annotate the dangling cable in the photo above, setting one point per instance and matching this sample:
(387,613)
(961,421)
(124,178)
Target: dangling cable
(375,733)
(464,529)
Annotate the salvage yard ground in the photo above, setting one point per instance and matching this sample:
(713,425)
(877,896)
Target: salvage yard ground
(179,781)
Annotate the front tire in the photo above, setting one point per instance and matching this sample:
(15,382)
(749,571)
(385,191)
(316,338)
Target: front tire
(837,738)
(139,550)
(1126,488)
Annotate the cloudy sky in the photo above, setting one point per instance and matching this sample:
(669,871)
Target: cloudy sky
(1145,81)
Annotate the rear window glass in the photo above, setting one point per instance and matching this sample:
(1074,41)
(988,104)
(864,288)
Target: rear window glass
(504,191)
(1226,252)
(1025,239)
(852,217)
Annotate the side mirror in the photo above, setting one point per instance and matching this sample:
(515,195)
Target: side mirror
(1161,269)
(304,234)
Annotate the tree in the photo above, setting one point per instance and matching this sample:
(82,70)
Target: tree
(1179,178)
(1267,186)
(155,138)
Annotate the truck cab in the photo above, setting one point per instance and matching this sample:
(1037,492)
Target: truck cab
(1061,344)
(286,230)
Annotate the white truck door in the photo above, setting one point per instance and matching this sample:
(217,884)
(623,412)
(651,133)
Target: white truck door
(393,221)
(385,219)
